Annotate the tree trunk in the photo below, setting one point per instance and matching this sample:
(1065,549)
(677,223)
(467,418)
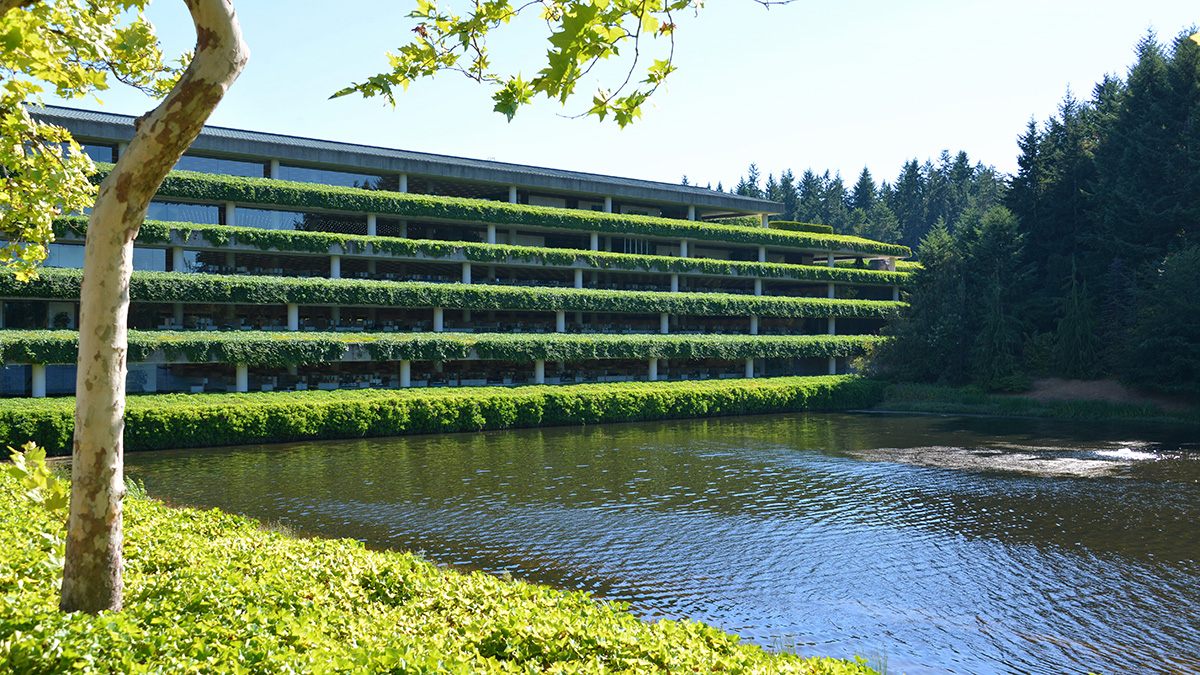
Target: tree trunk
(92,574)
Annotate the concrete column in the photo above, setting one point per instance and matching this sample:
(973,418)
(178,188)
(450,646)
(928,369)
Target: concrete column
(275,169)
(467,315)
(608,204)
(579,317)
(833,365)
(404,229)
(512,237)
(762,254)
(832,291)
(406,373)
(608,244)
(243,378)
(674,283)
(121,148)
(895,294)
(512,194)
(833,325)
(766,220)
(491,233)
(578,278)
(438,324)
(891,264)
(230,213)
(466,273)
(750,367)
(560,321)
(293,311)
(754,325)
(178,314)
(539,371)
(439,367)
(231,261)
(491,272)
(335,315)
(177,259)
(683,248)
(403,182)
(664,323)
(758,286)
(691,212)
(830,260)
(335,267)
(38,386)
(371,269)
(293,371)
(372,226)
(594,241)
(652,366)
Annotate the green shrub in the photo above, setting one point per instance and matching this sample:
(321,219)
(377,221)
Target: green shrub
(158,232)
(792,226)
(162,421)
(202,187)
(215,288)
(295,348)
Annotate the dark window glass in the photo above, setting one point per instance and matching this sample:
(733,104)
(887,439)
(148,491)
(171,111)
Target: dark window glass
(302,174)
(150,259)
(100,153)
(202,214)
(228,167)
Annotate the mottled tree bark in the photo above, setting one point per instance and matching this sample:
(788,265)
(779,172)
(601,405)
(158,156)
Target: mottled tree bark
(92,574)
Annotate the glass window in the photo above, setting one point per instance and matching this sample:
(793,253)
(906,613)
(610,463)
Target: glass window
(203,214)
(267,219)
(150,259)
(100,153)
(64,255)
(228,167)
(302,174)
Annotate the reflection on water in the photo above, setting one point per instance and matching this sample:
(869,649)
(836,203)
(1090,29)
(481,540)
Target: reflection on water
(962,545)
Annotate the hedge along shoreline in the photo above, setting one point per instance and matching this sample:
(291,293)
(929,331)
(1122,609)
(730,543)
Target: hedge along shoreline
(215,288)
(219,236)
(169,421)
(269,192)
(297,348)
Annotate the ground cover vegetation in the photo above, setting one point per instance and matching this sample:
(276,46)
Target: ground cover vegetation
(266,191)
(323,242)
(205,288)
(1087,266)
(204,420)
(279,349)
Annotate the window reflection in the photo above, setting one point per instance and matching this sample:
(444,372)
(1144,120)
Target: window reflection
(302,174)
(268,219)
(228,167)
(100,153)
(174,212)
(71,256)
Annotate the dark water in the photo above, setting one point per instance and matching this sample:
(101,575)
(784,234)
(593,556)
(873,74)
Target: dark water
(941,545)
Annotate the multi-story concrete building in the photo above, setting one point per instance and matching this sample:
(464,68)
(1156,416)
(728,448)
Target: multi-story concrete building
(302,263)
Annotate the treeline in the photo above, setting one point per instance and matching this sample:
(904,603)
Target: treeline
(900,212)
(1093,267)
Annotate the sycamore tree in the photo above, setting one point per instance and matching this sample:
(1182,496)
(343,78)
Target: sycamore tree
(72,47)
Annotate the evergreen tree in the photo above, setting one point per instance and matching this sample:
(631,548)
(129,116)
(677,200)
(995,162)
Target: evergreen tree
(685,180)
(863,196)
(908,203)
(1076,345)
(790,197)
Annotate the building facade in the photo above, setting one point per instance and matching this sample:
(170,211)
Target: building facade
(270,262)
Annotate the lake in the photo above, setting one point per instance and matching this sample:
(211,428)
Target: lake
(930,544)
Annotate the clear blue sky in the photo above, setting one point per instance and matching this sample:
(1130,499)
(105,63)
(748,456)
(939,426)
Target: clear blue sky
(827,84)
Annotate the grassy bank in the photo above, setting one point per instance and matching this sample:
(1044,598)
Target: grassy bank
(969,401)
(165,421)
(210,592)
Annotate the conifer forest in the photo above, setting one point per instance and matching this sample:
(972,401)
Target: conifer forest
(1084,264)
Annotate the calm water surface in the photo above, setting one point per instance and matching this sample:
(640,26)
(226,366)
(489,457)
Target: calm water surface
(943,545)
